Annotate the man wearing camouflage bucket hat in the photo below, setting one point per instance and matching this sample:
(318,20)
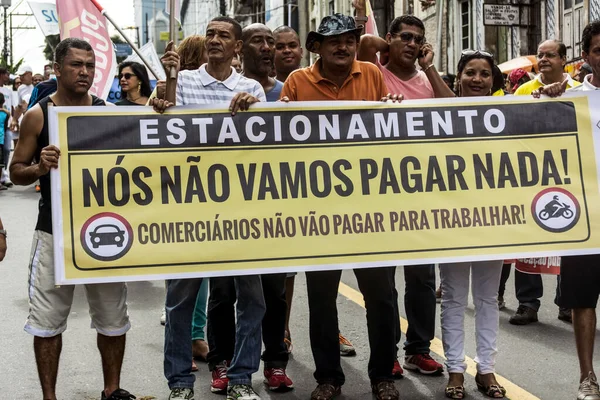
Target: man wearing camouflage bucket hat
(337,75)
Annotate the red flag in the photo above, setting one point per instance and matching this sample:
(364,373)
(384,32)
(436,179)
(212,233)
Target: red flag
(371,26)
(81,19)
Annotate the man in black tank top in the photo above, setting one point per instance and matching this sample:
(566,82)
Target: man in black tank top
(49,305)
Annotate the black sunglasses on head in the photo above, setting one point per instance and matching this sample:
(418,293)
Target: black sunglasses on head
(127,76)
(469,53)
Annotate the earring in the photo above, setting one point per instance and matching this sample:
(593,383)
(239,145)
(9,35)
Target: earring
(139,86)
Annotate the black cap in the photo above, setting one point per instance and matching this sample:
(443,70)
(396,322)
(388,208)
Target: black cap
(333,25)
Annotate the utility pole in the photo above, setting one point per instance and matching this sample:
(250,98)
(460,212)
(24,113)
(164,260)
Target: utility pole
(17,28)
(5,4)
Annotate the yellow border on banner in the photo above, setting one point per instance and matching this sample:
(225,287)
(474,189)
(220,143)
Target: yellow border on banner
(513,391)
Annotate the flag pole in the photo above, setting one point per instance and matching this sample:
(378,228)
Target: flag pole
(134,47)
(171,90)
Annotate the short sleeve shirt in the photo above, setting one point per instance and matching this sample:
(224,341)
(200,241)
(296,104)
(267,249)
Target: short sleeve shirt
(417,87)
(199,87)
(24,93)
(528,87)
(365,82)
(273,94)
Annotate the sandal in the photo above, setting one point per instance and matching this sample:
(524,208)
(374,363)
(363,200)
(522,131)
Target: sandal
(490,391)
(455,392)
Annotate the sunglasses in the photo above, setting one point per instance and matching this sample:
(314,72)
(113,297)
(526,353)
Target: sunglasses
(408,37)
(126,75)
(469,53)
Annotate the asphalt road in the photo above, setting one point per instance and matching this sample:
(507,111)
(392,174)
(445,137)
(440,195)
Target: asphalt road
(538,361)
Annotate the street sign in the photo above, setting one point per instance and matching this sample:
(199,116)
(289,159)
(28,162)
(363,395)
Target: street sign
(165,36)
(501,14)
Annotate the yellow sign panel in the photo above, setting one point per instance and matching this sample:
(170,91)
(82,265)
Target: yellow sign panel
(314,186)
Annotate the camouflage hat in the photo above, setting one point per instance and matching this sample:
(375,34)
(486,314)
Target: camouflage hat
(333,25)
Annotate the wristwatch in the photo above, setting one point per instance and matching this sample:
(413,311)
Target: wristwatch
(3,232)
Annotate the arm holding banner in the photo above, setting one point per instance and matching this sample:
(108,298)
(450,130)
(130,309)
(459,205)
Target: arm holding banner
(361,13)
(22,172)
(169,60)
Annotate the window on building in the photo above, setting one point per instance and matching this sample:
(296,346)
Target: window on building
(465,25)
(331,7)
(573,23)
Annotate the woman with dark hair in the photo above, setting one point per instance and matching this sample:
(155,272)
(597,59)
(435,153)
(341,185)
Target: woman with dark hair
(475,78)
(135,84)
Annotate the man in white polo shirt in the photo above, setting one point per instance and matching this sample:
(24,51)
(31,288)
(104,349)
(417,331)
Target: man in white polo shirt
(213,83)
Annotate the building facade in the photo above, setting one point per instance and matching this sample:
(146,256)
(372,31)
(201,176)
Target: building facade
(451,25)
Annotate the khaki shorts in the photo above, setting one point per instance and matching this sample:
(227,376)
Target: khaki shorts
(50,305)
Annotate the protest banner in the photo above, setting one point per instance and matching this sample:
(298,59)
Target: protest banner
(541,265)
(314,186)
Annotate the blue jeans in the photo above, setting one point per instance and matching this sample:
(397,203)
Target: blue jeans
(250,310)
(179,306)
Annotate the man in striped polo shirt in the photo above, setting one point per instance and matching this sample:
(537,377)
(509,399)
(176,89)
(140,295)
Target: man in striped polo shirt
(213,83)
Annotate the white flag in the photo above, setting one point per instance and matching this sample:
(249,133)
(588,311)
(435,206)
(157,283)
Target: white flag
(150,55)
(177,9)
(46,16)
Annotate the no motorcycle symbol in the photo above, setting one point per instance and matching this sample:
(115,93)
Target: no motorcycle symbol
(555,210)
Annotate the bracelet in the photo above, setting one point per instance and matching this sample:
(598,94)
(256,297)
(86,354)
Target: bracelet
(426,68)
(361,19)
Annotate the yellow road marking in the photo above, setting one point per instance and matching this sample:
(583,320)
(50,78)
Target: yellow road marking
(513,391)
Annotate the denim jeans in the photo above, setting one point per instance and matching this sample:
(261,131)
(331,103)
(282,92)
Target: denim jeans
(199,319)
(250,310)
(376,286)
(221,321)
(179,306)
(419,305)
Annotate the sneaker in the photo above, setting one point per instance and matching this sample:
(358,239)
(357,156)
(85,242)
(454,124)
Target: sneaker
(564,314)
(163,317)
(242,392)
(219,381)
(8,184)
(588,389)
(181,394)
(438,295)
(501,303)
(119,394)
(346,348)
(397,371)
(524,316)
(423,363)
(385,391)
(325,391)
(277,380)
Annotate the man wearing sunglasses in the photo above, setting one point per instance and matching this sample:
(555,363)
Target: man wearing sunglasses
(398,52)
(403,45)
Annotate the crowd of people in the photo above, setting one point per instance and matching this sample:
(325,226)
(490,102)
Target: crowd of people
(243,66)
